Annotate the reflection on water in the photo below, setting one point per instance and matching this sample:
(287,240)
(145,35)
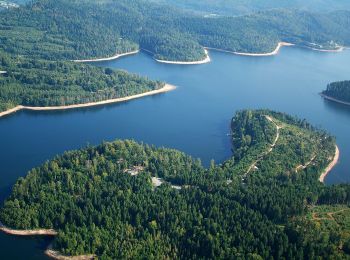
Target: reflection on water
(337,107)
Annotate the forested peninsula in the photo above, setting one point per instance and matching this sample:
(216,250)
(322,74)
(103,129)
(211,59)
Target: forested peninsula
(130,200)
(338,92)
(42,83)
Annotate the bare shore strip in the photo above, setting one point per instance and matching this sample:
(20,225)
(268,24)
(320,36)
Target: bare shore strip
(331,165)
(205,60)
(116,56)
(275,52)
(166,88)
(44,232)
(33,232)
(334,99)
(57,255)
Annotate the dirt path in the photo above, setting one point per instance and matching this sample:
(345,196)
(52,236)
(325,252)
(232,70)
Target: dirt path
(329,215)
(260,157)
(302,167)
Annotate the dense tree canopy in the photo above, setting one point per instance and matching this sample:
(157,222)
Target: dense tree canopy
(83,29)
(32,82)
(103,200)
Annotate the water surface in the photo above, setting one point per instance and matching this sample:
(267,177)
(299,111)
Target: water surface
(195,118)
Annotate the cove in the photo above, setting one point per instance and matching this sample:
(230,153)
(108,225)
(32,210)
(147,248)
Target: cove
(195,118)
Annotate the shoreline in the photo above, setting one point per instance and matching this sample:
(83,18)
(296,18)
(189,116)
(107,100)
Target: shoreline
(334,99)
(116,56)
(273,53)
(277,50)
(331,165)
(340,49)
(206,60)
(44,232)
(166,88)
(29,232)
(57,255)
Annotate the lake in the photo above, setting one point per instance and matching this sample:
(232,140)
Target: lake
(195,118)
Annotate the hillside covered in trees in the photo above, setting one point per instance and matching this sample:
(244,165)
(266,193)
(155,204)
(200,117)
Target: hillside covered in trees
(88,29)
(31,82)
(339,91)
(129,200)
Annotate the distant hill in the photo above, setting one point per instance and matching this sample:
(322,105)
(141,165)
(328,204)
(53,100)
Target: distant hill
(64,29)
(240,7)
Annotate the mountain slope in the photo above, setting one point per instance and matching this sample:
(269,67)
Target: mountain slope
(86,29)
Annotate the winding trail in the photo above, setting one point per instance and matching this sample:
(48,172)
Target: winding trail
(329,215)
(302,167)
(261,156)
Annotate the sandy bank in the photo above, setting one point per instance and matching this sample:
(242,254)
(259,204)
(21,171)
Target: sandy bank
(334,99)
(275,52)
(206,60)
(331,165)
(57,255)
(116,56)
(44,232)
(166,88)
(34,232)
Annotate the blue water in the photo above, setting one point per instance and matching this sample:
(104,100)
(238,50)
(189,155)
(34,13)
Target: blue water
(194,118)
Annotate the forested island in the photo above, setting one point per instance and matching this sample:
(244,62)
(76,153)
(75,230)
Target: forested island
(338,91)
(130,200)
